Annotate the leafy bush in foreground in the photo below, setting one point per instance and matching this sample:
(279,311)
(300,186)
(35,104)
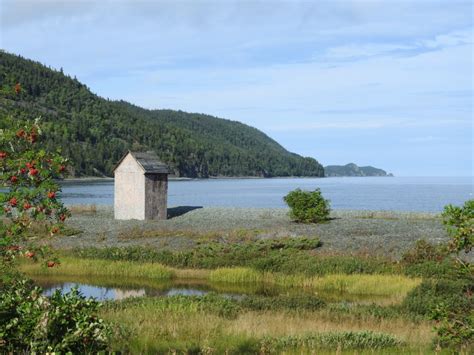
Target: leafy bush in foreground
(307,206)
(31,322)
(460,226)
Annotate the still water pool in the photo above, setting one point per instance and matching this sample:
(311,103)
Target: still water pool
(108,289)
(423,194)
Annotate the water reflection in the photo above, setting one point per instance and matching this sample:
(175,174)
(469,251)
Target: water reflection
(110,289)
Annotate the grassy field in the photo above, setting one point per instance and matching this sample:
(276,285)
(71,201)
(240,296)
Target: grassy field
(296,288)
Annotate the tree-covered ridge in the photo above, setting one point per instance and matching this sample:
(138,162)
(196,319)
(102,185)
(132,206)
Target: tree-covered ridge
(352,169)
(95,132)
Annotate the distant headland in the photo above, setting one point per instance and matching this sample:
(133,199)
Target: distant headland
(352,169)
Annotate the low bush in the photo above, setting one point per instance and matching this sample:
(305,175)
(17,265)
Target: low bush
(423,252)
(453,294)
(307,206)
(65,323)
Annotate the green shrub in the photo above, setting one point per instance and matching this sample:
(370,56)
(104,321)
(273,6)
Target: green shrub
(455,295)
(460,226)
(31,322)
(424,251)
(307,206)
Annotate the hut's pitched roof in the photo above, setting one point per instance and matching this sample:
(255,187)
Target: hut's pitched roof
(148,161)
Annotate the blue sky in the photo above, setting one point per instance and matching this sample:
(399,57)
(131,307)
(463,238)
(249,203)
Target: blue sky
(383,83)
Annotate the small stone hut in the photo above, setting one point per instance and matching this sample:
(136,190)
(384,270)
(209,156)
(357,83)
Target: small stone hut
(141,187)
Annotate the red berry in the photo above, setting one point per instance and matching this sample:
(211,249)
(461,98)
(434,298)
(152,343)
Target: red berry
(13,201)
(33,171)
(29,165)
(20,133)
(29,254)
(3,155)
(51,194)
(17,88)
(22,170)
(50,263)
(13,179)
(26,206)
(62,168)
(62,218)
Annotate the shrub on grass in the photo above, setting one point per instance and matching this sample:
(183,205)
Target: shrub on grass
(307,206)
(65,323)
(453,294)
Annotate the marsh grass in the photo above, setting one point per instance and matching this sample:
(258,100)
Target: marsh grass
(394,286)
(91,268)
(219,325)
(397,286)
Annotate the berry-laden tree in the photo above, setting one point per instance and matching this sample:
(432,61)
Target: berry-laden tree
(29,204)
(28,197)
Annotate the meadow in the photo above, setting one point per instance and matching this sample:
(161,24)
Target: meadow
(266,294)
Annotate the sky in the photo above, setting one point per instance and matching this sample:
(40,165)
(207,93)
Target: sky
(387,83)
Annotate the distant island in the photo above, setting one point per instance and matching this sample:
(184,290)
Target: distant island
(352,169)
(95,132)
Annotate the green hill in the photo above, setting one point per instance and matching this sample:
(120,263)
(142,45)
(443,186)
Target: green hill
(352,169)
(95,132)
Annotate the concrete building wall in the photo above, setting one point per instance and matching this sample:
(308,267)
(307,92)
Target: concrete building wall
(129,190)
(156,192)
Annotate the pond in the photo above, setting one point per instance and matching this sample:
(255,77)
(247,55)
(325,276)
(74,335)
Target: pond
(108,289)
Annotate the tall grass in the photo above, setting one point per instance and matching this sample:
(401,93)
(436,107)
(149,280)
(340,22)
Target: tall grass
(213,323)
(88,267)
(355,284)
(236,275)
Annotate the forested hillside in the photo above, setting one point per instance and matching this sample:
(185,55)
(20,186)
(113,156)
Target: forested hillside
(352,169)
(94,132)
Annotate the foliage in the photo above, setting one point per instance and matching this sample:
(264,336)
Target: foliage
(29,201)
(456,295)
(307,206)
(27,173)
(455,328)
(424,251)
(429,261)
(94,132)
(460,226)
(31,322)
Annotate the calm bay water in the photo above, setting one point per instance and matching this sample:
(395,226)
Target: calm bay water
(427,194)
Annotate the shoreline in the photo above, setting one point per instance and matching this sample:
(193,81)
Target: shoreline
(175,178)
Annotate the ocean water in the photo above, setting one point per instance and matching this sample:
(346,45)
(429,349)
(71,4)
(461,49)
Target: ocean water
(424,194)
